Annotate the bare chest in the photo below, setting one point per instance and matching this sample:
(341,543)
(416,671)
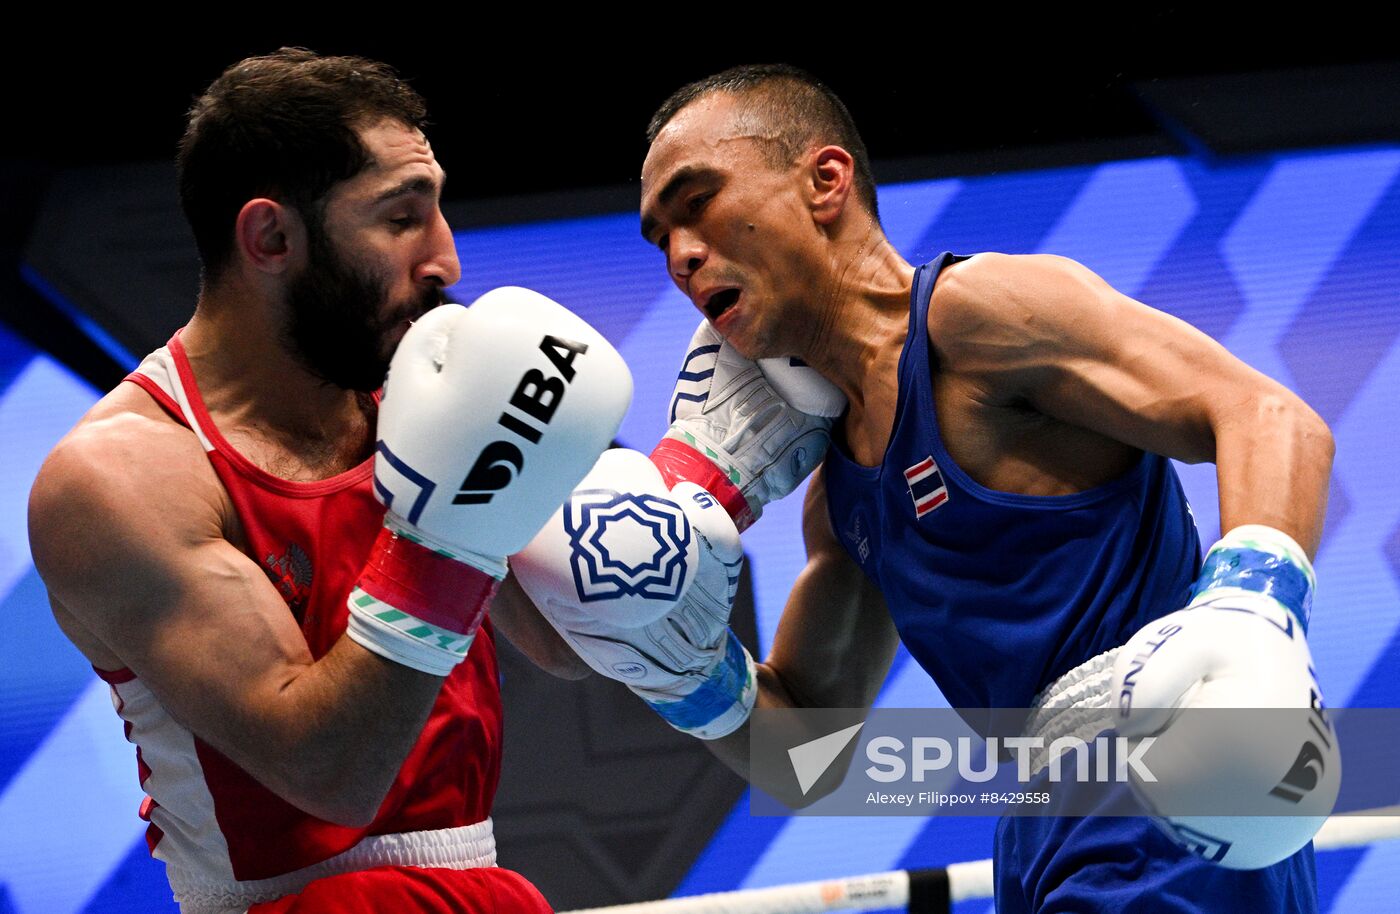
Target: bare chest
(302,460)
(304,455)
(295,460)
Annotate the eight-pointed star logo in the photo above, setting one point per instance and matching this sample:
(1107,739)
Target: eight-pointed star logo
(625,544)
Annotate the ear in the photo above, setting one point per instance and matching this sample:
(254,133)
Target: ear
(268,234)
(833,179)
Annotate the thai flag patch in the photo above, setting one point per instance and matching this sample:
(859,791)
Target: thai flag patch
(926,486)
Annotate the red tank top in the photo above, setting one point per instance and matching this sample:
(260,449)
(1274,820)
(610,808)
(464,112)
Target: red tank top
(311,539)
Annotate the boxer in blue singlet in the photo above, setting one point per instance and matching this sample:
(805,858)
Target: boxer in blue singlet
(999,494)
(1026,589)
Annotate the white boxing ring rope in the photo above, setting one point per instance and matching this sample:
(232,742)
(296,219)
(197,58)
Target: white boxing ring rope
(928,891)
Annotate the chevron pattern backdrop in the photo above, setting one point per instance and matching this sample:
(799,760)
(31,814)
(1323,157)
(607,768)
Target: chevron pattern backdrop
(1291,261)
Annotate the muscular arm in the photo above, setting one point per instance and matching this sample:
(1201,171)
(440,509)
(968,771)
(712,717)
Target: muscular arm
(834,645)
(133,552)
(1048,332)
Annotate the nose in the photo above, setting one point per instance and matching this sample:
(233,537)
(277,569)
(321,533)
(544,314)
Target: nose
(686,254)
(440,265)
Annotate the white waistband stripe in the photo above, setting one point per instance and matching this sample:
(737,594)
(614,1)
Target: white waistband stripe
(466,847)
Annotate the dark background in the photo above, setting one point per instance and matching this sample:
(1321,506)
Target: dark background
(542,115)
(556,105)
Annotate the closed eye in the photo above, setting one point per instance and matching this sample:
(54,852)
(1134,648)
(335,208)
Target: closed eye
(662,242)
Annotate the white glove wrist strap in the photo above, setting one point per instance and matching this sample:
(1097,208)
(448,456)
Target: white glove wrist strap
(405,639)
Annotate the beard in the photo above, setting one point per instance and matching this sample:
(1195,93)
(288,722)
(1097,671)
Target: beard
(337,324)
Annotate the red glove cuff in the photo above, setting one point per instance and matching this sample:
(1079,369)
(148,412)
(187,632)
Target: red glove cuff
(432,587)
(681,463)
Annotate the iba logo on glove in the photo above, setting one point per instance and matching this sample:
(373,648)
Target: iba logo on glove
(625,544)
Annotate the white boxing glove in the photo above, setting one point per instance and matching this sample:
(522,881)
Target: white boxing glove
(489,417)
(639,580)
(747,433)
(1239,643)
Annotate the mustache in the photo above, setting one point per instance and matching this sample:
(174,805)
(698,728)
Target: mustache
(430,299)
(434,297)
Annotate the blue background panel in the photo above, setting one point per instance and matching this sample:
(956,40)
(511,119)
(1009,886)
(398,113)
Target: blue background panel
(1291,261)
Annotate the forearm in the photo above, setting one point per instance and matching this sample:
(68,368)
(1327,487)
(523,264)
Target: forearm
(1273,464)
(833,649)
(332,736)
(733,750)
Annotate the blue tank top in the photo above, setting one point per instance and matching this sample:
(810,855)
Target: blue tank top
(997,595)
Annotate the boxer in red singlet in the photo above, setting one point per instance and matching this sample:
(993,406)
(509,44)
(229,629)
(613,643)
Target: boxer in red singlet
(202,527)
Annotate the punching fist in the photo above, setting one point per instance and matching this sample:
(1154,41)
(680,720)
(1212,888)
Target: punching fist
(747,433)
(1238,644)
(489,417)
(639,580)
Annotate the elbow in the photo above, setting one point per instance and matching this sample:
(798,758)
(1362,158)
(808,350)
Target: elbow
(350,806)
(1315,431)
(344,793)
(354,816)
(355,793)
(1320,432)
(346,816)
(1288,412)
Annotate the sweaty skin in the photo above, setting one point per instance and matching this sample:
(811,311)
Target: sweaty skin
(1046,380)
(141,547)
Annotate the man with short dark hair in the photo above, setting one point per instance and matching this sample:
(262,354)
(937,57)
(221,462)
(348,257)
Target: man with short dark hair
(282,124)
(310,681)
(998,495)
(790,108)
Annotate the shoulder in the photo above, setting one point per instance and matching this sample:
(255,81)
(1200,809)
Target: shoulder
(996,312)
(126,474)
(125,444)
(1005,288)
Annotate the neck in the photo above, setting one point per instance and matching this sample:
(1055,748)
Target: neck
(863,307)
(249,379)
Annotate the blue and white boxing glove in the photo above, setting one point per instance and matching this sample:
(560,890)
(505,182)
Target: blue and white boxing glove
(742,435)
(746,432)
(1239,643)
(639,579)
